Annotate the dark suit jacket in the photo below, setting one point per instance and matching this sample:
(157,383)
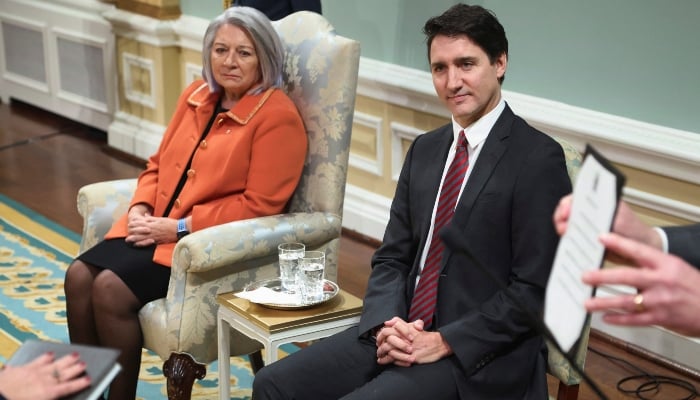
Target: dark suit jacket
(683,241)
(277,9)
(505,217)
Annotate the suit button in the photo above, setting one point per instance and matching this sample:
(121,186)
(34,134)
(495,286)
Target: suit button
(190,173)
(203,144)
(177,203)
(220,121)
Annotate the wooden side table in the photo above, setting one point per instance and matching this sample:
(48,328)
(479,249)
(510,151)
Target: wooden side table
(274,328)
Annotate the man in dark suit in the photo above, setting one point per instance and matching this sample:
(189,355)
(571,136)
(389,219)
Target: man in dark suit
(661,263)
(477,342)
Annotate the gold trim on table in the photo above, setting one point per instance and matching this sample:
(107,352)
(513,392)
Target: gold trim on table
(273,320)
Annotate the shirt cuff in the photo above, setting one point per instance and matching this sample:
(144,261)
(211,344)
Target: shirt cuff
(663,237)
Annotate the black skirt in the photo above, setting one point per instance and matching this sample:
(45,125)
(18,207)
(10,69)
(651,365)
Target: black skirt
(134,265)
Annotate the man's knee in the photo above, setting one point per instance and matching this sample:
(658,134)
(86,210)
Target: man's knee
(265,384)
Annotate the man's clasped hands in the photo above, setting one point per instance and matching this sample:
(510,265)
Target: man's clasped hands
(405,343)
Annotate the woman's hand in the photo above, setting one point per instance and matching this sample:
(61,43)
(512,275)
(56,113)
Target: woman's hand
(148,230)
(44,379)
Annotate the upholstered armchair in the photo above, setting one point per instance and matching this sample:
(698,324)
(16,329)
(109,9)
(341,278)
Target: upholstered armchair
(321,78)
(557,364)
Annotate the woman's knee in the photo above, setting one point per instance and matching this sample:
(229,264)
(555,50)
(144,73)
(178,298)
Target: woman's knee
(110,293)
(79,278)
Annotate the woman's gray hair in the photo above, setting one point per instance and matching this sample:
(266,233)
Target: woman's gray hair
(268,45)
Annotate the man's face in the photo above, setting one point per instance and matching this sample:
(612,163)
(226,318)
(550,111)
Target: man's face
(464,78)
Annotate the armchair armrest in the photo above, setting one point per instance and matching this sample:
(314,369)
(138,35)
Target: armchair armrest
(225,258)
(100,204)
(255,238)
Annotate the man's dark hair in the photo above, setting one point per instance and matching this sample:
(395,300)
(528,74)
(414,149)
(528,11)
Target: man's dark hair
(477,23)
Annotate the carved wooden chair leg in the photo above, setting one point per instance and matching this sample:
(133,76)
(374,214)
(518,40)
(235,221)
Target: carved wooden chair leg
(181,370)
(567,392)
(256,361)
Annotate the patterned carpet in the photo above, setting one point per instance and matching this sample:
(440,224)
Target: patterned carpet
(34,255)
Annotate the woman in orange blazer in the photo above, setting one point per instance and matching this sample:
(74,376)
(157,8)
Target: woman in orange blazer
(234,149)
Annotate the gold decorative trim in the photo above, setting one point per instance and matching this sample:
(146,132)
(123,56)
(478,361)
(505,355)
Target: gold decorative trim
(262,101)
(149,10)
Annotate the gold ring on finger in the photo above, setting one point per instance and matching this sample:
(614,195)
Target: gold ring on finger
(638,303)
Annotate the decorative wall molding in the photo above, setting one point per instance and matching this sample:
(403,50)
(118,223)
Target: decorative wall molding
(156,32)
(365,211)
(667,151)
(11,68)
(662,204)
(81,90)
(192,73)
(129,62)
(50,79)
(190,31)
(134,135)
(372,165)
(399,134)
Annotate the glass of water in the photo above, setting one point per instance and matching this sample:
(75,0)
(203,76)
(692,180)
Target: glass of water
(289,255)
(311,272)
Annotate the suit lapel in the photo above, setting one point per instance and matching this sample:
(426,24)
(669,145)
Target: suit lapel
(494,147)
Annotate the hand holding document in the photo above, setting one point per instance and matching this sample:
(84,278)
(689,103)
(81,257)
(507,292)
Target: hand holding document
(595,198)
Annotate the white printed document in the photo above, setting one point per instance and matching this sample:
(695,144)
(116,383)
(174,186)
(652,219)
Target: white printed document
(595,197)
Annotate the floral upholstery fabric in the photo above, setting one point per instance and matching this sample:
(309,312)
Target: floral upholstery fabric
(557,364)
(321,78)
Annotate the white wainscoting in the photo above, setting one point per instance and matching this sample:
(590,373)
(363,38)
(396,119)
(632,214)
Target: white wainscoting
(59,55)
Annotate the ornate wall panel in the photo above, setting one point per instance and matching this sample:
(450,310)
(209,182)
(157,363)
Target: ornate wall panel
(59,55)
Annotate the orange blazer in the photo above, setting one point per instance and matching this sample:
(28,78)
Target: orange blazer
(248,165)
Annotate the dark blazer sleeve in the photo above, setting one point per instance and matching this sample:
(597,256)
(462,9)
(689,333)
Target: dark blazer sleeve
(684,241)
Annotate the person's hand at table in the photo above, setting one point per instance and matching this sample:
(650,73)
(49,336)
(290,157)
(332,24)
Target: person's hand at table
(668,288)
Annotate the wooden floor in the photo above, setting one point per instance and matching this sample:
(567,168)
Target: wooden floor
(45,159)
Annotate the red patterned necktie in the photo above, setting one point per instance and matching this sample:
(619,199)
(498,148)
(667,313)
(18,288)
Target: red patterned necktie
(425,296)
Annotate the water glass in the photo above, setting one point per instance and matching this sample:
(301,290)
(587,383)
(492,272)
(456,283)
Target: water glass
(311,273)
(289,255)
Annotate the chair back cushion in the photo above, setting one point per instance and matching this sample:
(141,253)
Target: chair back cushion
(320,76)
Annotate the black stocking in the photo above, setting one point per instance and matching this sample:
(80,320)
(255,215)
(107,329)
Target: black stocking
(116,315)
(78,287)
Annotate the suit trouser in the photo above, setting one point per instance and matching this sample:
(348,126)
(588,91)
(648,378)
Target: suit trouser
(345,366)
